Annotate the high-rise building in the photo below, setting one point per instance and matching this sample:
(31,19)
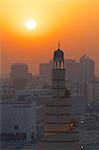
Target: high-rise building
(6,90)
(95,90)
(87,66)
(45,74)
(78,73)
(81,71)
(35,82)
(20,77)
(72,70)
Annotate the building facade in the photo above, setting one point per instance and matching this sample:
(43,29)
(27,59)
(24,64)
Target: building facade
(45,75)
(18,121)
(19,77)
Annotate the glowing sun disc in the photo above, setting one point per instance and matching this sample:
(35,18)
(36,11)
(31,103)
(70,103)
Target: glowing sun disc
(30,24)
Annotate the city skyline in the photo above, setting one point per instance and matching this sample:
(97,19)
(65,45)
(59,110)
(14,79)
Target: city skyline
(75,23)
(56,113)
(37,73)
(49,74)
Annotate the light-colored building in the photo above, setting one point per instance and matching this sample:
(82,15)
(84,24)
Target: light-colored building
(40,96)
(20,121)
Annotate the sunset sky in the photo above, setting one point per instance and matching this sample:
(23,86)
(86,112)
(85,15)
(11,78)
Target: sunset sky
(74,22)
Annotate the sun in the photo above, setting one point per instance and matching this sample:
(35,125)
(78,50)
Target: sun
(30,24)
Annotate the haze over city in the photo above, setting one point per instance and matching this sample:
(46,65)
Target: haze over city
(49,74)
(75,23)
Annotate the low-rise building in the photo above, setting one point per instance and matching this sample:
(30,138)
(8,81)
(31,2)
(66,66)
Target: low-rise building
(20,121)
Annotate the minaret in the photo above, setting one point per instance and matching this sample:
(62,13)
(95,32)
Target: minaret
(58,118)
(59,127)
(58,74)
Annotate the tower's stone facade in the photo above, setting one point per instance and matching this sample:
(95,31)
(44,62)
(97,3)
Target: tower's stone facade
(59,127)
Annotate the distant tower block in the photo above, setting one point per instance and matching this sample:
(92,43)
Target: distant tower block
(58,74)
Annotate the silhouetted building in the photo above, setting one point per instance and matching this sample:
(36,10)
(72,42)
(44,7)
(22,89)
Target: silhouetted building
(19,76)
(87,66)
(81,71)
(72,70)
(77,73)
(6,90)
(45,75)
(95,90)
(35,82)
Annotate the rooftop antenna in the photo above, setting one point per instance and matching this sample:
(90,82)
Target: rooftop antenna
(59,45)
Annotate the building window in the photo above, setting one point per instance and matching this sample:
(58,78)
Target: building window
(32,135)
(16,127)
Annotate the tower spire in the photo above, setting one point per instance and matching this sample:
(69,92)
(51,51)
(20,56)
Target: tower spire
(59,45)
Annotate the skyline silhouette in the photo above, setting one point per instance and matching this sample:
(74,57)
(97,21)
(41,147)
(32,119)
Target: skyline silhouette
(75,23)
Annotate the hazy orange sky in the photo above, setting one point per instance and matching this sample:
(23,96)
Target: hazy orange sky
(74,22)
